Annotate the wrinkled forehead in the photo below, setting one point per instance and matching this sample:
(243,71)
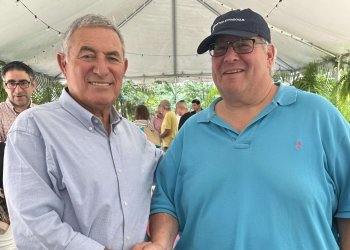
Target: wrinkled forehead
(95,37)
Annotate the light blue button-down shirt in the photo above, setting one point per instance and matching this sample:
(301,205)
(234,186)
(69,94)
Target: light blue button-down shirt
(69,185)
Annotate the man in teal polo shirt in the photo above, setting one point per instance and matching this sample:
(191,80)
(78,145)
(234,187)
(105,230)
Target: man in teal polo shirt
(274,165)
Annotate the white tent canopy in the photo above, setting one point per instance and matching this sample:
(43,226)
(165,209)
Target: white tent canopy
(162,36)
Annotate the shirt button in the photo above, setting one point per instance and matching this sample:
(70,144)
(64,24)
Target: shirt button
(125,203)
(120,171)
(127,237)
(91,128)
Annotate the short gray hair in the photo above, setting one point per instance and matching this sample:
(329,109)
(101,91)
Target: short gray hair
(165,104)
(90,20)
(272,70)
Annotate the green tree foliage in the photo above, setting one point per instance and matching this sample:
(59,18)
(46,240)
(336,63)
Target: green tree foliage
(190,90)
(152,93)
(309,81)
(320,80)
(132,95)
(47,93)
(3,94)
(342,89)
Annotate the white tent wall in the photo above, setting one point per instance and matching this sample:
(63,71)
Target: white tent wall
(162,36)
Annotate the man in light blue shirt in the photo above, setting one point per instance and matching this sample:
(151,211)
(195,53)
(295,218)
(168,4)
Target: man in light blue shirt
(77,174)
(274,165)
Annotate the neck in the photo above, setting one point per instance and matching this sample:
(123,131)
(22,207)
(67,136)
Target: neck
(19,109)
(239,116)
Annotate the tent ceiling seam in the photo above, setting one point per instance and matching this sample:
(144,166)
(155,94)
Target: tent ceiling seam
(212,9)
(303,41)
(132,15)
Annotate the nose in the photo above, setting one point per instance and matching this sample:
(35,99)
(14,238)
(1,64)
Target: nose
(231,55)
(101,66)
(17,88)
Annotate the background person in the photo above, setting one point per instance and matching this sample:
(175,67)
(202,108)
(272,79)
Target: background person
(19,84)
(196,106)
(77,174)
(274,165)
(157,120)
(142,117)
(143,122)
(182,111)
(169,124)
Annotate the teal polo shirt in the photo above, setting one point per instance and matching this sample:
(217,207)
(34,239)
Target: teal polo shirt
(279,184)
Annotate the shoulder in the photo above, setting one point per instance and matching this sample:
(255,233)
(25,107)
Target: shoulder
(187,115)
(170,115)
(37,110)
(312,102)
(317,110)
(289,96)
(3,106)
(44,113)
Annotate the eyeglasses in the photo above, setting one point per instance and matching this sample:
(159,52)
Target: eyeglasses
(242,46)
(12,84)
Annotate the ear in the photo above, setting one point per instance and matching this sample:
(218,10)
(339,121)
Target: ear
(271,54)
(126,64)
(61,59)
(34,84)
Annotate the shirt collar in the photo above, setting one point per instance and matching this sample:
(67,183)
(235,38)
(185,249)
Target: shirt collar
(284,96)
(10,105)
(83,115)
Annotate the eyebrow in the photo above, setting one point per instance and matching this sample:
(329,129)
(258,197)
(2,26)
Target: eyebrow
(87,48)
(18,80)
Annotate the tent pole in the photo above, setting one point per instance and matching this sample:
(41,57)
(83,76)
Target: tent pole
(174,41)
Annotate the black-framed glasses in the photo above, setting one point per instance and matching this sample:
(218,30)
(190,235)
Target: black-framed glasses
(242,46)
(12,84)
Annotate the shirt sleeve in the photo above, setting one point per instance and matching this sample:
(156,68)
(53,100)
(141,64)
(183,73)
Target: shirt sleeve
(163,199)
(33,200)
(337,151)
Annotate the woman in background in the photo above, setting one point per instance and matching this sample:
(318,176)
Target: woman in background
(143,122)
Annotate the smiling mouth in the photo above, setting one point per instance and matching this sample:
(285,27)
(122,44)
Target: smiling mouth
(100,84)
(233,71)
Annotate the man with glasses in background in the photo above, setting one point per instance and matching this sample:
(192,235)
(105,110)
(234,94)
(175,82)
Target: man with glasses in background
(273,168)
(19,84)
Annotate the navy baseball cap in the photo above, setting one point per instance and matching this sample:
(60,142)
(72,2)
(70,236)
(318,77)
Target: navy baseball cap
(241,23)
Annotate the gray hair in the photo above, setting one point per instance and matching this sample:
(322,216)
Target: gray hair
(90,20)
(272,70)
(165,104)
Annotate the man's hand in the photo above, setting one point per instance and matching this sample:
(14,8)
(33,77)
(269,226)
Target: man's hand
(148,246)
